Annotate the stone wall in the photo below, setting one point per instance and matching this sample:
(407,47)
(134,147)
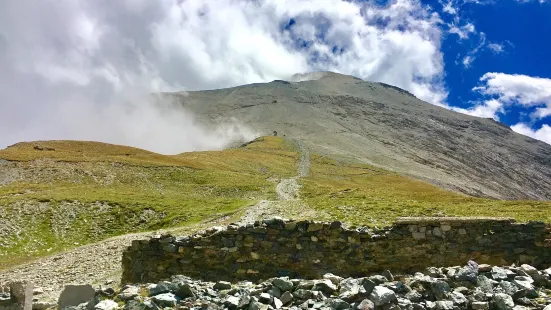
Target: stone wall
(16,296)
(310,249)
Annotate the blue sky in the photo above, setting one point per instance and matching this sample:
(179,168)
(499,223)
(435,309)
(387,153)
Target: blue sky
(521,29)
(78,69)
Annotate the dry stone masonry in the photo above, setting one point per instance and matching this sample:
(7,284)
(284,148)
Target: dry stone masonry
(307,249)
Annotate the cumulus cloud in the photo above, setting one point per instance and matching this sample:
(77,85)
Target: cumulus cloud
(520,90)
(70,67)
(543,133)
(487,109)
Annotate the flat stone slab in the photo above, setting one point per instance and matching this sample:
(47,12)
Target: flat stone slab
(74,295)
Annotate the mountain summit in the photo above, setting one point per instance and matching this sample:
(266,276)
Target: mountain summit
(350,119)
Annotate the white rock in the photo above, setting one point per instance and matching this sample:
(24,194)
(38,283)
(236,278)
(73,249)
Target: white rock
(458,298)
(333,278)
(503,301)
(165,300)
(277,303)
(528,269)
(129,292)
(106,305)
(480,305)
(381,295)
(444,305)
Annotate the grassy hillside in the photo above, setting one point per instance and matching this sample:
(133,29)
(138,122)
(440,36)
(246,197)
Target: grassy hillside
(365,195)
(56,195)
(66,193)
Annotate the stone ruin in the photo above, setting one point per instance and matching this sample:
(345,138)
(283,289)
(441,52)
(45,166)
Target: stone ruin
(16,296)
(309,249)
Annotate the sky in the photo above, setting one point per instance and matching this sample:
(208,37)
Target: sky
(85,69)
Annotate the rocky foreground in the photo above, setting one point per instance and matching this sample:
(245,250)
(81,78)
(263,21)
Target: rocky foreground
(473,286)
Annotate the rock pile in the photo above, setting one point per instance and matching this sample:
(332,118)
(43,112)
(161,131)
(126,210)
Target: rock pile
(473,286)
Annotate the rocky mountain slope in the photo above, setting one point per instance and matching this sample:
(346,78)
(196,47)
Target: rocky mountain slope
(379,124)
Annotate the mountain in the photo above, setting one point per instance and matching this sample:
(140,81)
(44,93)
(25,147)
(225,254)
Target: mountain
(358,121)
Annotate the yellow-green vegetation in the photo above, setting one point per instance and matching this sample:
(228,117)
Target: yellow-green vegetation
(55,195)
(68,193)
(365,195)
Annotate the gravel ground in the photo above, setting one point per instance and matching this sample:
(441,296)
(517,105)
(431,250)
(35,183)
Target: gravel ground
(96,263)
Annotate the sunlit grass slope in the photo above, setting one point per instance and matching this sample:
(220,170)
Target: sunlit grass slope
(56,195)
(67,193)
(362,194)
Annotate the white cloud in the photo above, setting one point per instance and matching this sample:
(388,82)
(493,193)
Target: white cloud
(463,31)
(467,61)
(543,134)
(496,48)
(68,67)
(527,1)
(517,89)
(487,109)
(470,57)
(451,7)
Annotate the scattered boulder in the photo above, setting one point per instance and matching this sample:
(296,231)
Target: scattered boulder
(129,292)
(165,300)
(440,289)
(349,289)
(366,304)
(284,284)
(503,301)
(381,295)
(499,273)
(333,278)
(265,298)
(185,290)
(468,272)
(326,286)
(74,295)
(222,285)
(232,302)
(286,298)
(106,304)
(480,305)
(388,275)
(471,287)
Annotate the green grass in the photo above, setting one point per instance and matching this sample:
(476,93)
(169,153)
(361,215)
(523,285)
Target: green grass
(73,196)
(78,192)
(364,195)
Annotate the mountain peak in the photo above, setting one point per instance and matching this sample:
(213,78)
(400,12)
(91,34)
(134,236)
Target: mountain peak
(316,75)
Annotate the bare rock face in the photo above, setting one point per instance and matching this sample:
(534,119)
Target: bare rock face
(383,125)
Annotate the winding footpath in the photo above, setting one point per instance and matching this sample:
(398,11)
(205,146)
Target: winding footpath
(288,203)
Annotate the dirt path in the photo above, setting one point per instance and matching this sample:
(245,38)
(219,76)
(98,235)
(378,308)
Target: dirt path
(289,204)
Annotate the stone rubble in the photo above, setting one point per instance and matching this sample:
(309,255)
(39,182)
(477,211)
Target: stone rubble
(473,286)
